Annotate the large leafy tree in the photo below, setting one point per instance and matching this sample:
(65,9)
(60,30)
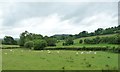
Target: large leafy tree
(99,31)
(8,40)
(83,34)
(69,41)
(51,41)
(26,36)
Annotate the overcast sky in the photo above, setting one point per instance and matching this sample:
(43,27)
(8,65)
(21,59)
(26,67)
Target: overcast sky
(49,18)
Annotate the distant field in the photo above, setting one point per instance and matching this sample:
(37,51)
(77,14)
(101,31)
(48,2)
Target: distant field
(77,44)
(24,59)
(77,40)
(98,35)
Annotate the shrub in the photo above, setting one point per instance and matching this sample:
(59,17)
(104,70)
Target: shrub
(39,44)
(81,41)
(8,40)
(69,41)
(51,41)
(29,44)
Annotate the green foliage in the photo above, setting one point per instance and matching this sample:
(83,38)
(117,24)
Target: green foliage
(83,34)
(8,40)
(108,40)
(69,41)
(26,36)
(39,44)
(80,41)
(51,41)
(99,31)
(88,41)
(29,44)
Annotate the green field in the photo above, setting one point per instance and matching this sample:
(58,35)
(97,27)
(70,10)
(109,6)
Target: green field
(24,59)
(77,44)
(16,58)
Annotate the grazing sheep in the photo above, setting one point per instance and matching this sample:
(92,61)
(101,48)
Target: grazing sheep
(49,52)
(58,52)
(89,52)
(10,50)
(41,51)
(76,53)
(94,52)
(5,53)
(82,52)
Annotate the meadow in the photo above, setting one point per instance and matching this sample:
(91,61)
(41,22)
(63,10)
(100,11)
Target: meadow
(15,57)
(25,59)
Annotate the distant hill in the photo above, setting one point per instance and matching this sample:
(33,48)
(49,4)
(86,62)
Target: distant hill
(76,41)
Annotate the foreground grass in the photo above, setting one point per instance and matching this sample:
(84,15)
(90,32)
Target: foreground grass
(24,59)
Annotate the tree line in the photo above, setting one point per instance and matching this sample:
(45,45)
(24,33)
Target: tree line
(102,40)
(37,41)
(99,31)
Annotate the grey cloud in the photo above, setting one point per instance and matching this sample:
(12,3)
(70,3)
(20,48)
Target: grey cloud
(40,9)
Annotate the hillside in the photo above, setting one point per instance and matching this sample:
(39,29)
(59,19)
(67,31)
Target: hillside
(77,44)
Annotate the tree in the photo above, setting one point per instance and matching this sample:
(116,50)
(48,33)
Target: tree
(80,41)
(96,40)
(69,41)
(99,31)
(83,34)
(8,40)
(23,38)
(51,41)
(39,44)
(26,36)
(29,44)
(88,41)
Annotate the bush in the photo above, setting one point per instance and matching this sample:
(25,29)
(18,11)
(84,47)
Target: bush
(88,41)
(100,40)
(64,44)
(8,40)
(29,44)
(81,41)
(51,41)
(39,44)
(69,41)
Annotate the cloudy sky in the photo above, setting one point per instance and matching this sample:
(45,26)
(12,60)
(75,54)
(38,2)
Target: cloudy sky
(49,18)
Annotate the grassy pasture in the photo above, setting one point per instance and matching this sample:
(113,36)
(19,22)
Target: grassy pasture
(24,59)
(77,44)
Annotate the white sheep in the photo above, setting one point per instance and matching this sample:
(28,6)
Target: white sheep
(89,52)
(49,52)
(5,53)
(76,53)
(10,50)
(94,52)
(41,51)
(58,52)
(82,52)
